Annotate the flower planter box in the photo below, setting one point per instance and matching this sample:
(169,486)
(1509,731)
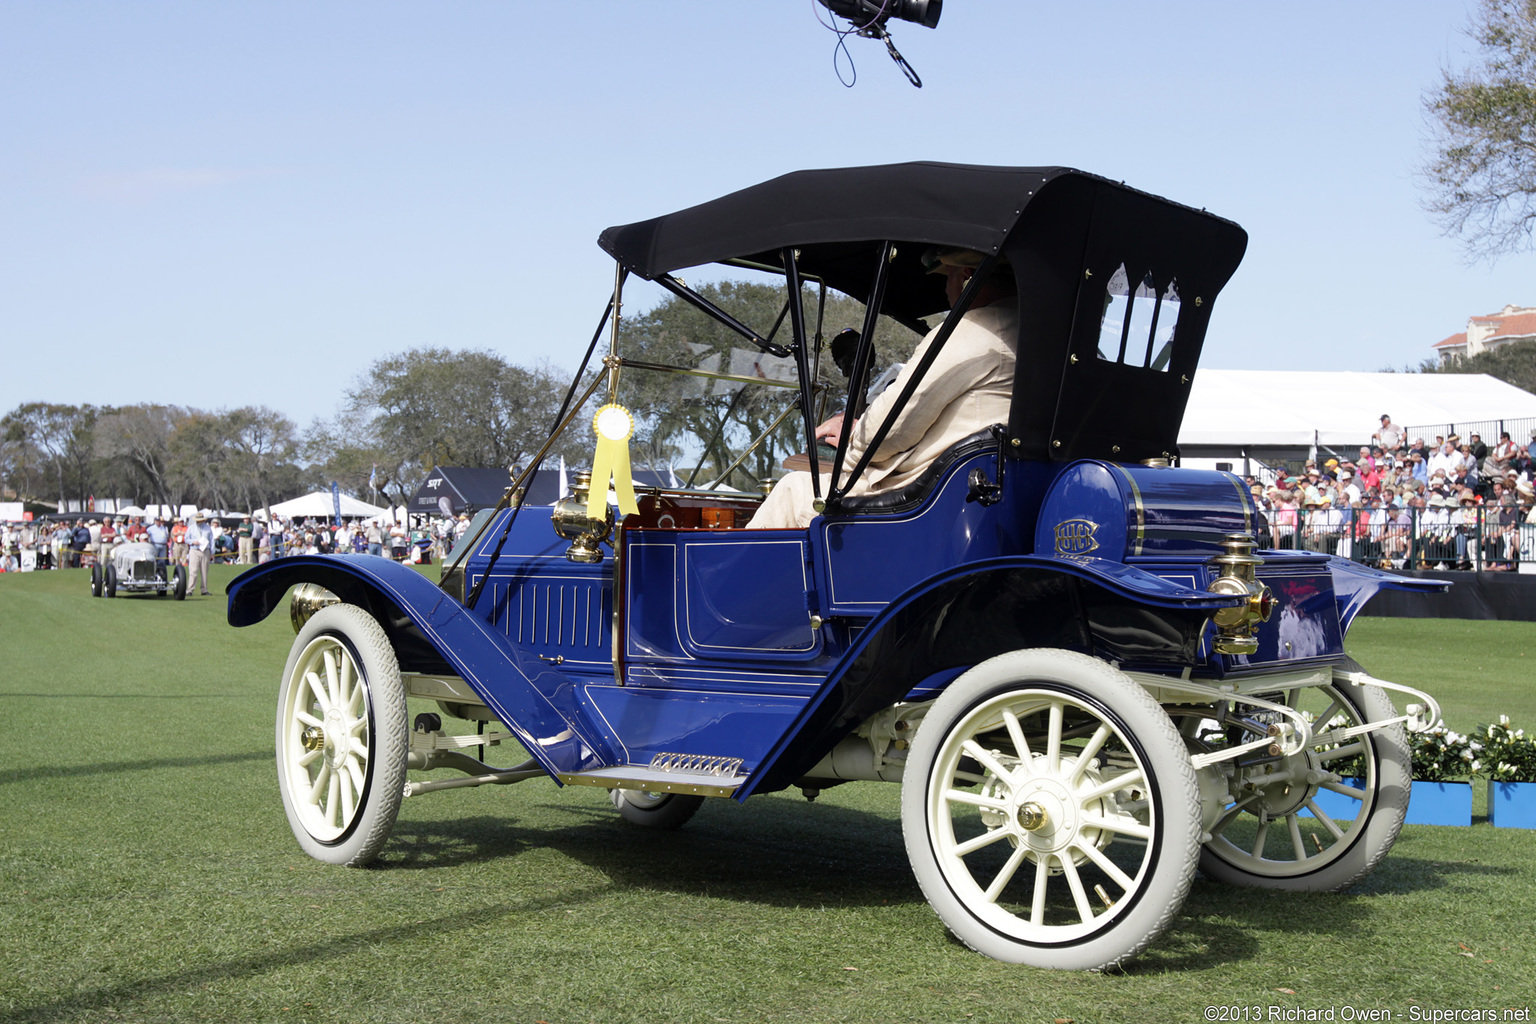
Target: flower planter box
(1512,804)
(1440,803)
(1336,805)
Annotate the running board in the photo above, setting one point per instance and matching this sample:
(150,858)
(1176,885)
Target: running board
(657,780)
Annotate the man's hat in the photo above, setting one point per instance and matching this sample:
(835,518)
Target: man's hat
(937,259)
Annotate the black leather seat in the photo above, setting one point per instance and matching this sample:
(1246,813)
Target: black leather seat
(912,495)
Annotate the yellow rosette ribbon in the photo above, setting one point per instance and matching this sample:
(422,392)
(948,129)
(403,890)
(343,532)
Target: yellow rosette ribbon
(614,426)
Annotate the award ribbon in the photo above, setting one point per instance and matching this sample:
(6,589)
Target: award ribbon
(614,427)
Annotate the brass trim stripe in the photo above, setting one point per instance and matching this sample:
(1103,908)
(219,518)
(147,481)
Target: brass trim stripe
(1245,499)
(1141,510)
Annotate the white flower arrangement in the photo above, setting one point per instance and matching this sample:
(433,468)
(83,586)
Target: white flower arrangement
(1444,755)
(1511,753)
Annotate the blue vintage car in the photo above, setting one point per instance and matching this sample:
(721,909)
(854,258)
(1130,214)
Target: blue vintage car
(1074,656)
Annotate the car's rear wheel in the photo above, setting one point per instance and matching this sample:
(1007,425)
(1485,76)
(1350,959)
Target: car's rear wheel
(109,581)
(179,583)
(95,581)
(1050,811)
(655,810)
(342,736)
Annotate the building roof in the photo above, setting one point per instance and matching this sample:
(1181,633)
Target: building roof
(1510,326)
(1454,341)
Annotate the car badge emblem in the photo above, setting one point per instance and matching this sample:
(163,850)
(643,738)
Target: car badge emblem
(1075,536)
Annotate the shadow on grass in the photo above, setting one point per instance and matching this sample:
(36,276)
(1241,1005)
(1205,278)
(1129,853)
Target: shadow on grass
(120,696)
(783,855)
(780,854)
(331,948)
(114,767)
(1221,924)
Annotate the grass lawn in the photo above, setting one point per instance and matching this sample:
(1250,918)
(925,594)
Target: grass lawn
(149,874)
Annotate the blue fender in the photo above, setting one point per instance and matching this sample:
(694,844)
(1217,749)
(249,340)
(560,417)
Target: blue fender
(966,615)
(415,613)
(1355,584)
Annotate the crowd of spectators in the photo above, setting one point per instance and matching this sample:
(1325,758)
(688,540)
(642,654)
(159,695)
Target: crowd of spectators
(1445,502)
(1417,503)
(90,539)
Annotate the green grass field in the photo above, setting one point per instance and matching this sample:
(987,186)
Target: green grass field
(149,874)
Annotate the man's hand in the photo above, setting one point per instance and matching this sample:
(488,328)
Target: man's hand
(832,429)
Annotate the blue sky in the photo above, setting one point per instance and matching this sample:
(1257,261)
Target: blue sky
(231,204)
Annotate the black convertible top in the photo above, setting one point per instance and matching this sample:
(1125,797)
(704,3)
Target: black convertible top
(923,203)
(1066,234)
(935,203)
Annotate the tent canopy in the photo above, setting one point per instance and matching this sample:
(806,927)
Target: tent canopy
(1235,410)
(319,504)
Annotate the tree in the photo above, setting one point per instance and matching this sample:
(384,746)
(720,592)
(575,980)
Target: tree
(265,443)
(1483,176)
(706,423)
(64,437)
(1514,363)
(139,436)
(435,407)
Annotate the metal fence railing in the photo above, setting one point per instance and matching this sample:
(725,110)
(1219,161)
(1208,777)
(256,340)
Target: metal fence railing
(1519,430)
(1474,537)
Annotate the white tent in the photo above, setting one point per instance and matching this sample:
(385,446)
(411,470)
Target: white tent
(167,511)
(320,505)
(1237,410)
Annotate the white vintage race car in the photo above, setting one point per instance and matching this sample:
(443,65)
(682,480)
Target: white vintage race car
(134,568)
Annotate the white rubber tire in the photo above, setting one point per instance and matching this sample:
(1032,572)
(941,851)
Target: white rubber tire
(655,810)
(342,736)
(1106,770)
(1286,861)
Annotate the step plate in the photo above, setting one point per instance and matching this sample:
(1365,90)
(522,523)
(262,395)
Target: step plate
(655,780)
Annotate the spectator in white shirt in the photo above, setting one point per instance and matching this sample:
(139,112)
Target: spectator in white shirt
(199,541)
(1445,459)
(1388,436)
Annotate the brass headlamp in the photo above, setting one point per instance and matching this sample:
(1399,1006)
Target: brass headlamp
(308,598)
(1237,626)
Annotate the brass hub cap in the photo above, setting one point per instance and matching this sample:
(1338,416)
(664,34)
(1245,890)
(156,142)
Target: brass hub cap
(1046,812)
(1031,817)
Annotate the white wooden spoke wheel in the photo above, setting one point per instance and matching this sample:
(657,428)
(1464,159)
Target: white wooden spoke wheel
(342,737)
(1050,811)
(1281,833)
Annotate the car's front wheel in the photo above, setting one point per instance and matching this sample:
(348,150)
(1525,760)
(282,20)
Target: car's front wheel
(109,581)
(1050,811)
(655,810)
(342,736)
(1286,835)
(95,581)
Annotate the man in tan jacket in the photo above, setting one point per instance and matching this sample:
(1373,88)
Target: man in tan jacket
(967,389)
